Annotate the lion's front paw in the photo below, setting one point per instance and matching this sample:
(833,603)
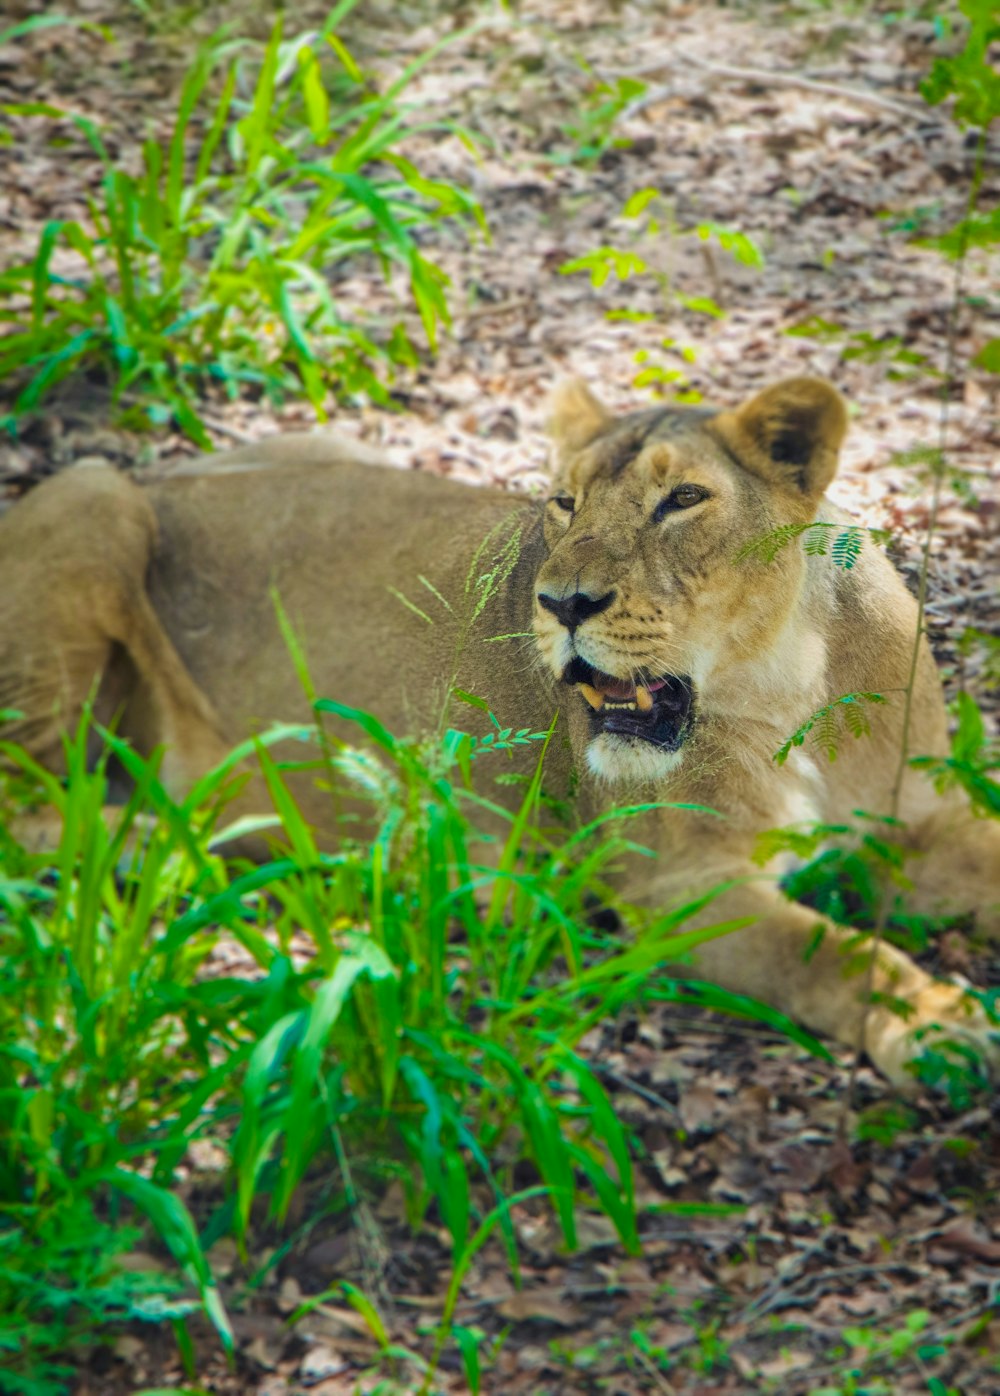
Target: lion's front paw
(947,1041)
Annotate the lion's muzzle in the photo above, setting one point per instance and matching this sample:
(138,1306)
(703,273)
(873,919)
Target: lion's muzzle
(655,710)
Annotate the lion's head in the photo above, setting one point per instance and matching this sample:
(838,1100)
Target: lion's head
(639,603)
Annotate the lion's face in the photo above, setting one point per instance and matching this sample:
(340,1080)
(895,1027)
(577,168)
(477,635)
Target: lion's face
(640,598)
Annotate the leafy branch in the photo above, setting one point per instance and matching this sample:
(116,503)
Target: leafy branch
(827,724)
(844,550)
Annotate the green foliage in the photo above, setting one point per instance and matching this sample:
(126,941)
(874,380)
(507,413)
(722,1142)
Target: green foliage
(62,1279)
(433,1030)
(886,1120)
(851,872)
(973,639)
(868,348)
(592,130)
(970,76)
(731,240)
(608,260)
(974,756)
(106,1056)
(826,726)
(889,1349)
(951,1068)
(603,261)
(845,543)
(36,22)
(855,877)
(217,262)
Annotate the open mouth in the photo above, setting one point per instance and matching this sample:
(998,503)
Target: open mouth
(655,710)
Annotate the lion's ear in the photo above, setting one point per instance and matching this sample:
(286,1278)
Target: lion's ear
(574,416)
(790,433)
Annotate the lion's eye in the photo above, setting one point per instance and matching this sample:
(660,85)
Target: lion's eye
(564,501)
(681,497)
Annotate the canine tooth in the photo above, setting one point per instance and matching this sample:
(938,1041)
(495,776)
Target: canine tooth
(643,698)
(593,697)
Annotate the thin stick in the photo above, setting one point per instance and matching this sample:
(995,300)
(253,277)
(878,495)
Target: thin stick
(224,429)
(768,77)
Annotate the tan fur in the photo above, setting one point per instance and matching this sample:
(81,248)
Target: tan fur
(165,594)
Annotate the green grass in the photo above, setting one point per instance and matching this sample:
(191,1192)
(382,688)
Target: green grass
(431,1035)
(218,262)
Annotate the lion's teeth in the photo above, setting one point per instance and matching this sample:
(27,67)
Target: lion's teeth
(644,698)
(593,697)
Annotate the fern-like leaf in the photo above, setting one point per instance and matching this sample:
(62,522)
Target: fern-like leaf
(845,551)
(826,730)
(856,719)
(815,541)
(767,547)
(847,547)
(827,722)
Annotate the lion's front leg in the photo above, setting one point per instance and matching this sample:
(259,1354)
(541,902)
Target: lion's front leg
(822,980)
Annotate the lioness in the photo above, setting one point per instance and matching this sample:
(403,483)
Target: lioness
(676,669)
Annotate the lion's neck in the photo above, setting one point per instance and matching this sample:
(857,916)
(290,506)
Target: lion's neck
(777,669)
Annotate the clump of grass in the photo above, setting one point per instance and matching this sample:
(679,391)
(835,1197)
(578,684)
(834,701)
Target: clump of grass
(218,261)
(433,1031)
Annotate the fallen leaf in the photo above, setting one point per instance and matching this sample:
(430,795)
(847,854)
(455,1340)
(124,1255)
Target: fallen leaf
(965,1237)
(542,1305)
(321,1361)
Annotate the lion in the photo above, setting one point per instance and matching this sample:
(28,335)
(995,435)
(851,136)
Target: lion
(626,601)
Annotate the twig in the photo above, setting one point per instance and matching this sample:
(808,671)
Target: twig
(769,77)
(781,1293)
(660,1380)
(224,429)
(627,1084)
(507,307)
(374,1252)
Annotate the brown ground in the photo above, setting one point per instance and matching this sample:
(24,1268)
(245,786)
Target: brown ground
(833,1236)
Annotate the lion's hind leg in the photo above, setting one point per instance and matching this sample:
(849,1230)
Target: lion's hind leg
(76,624)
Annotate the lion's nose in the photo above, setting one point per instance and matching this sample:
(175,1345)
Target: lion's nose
(573,610)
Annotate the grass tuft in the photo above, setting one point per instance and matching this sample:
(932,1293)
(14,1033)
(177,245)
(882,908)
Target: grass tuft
(218,262)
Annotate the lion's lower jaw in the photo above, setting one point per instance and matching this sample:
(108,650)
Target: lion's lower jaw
(617,760)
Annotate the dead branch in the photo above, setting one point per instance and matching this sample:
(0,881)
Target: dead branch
(768,77)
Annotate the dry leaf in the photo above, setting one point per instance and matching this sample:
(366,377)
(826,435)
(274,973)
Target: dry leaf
(542,1305)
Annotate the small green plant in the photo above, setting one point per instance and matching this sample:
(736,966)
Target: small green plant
(592,132)
(218,261)
(624,263)
(63,1278)
(972,640)
(974,756)
(902,362)
(845,870)
(889,1349)
(968,79)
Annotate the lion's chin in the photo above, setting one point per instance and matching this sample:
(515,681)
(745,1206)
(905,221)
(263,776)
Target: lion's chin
(624,760)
